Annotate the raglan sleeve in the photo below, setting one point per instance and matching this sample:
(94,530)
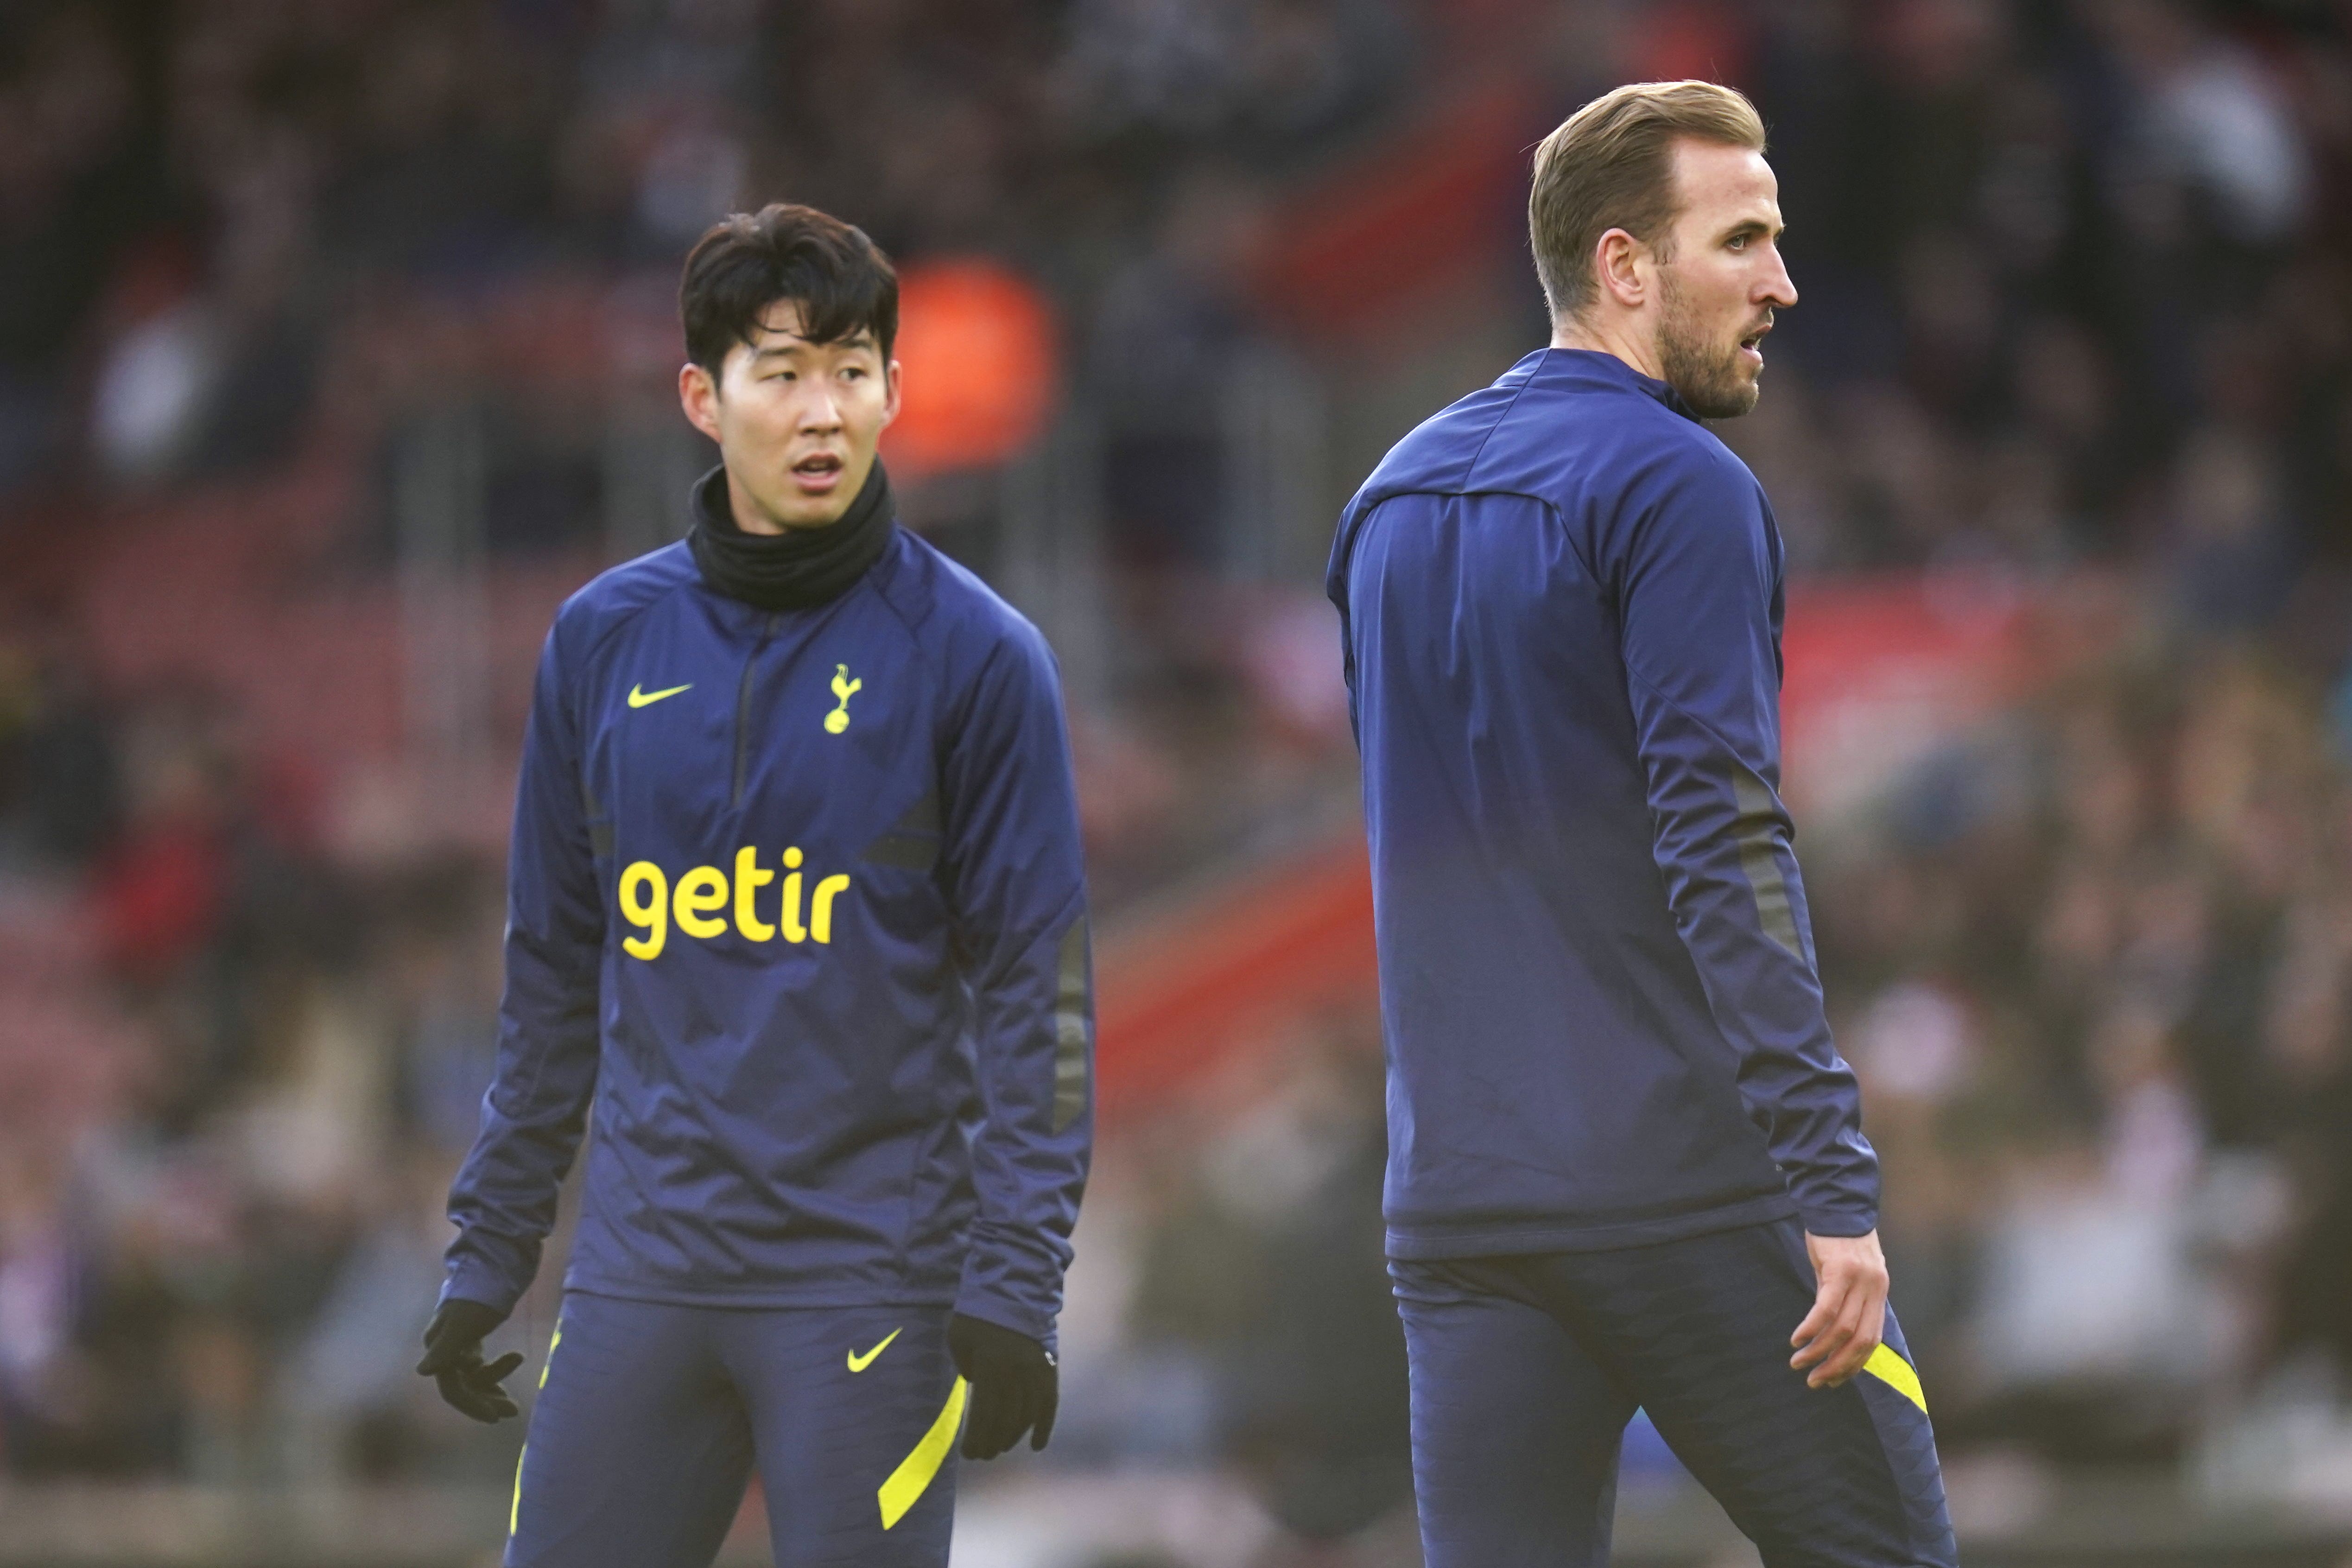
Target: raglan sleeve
(1016,882)
(1696,567)
(503,1201)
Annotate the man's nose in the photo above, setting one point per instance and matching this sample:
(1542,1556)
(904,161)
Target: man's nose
(820,410)
(1778,290)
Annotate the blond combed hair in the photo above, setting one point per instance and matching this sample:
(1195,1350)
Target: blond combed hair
(1611,166)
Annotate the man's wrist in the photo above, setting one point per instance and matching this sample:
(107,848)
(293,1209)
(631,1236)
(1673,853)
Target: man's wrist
(1003,1314)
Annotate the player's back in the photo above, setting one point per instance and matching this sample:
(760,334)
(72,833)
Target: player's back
(1556,1077)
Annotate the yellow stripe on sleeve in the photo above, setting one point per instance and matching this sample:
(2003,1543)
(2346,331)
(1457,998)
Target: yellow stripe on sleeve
(1896,1373)
(913,1477)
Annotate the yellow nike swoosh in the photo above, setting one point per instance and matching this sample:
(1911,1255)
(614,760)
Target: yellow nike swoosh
(639,696)
(860,1362)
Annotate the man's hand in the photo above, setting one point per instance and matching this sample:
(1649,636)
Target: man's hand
(453,1357)
(1014,1386)
(1849,1315)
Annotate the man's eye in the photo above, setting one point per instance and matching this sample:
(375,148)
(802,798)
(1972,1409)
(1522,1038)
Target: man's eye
(1738,242)
(853,372)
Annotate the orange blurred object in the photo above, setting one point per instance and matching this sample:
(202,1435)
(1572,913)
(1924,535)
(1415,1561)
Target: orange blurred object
(978,341)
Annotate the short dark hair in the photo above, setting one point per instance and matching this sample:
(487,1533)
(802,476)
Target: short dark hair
(840,279)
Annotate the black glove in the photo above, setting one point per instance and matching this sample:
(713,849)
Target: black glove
(453,1357)
(1014,1386)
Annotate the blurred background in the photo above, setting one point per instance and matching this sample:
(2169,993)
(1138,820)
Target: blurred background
(337,344)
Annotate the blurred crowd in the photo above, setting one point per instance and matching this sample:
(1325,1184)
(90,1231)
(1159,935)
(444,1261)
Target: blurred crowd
(2092,965)
(2075,303)
(233,1075)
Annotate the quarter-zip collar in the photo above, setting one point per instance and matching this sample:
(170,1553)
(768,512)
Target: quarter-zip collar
(743,709)
(1560,367)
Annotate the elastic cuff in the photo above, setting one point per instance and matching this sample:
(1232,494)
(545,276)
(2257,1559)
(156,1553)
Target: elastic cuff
(472,1282)
(1841,1223)
(1010,1315)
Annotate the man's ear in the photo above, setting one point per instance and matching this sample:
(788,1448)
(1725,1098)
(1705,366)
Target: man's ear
(890,392)
(697,394)
(1618,267)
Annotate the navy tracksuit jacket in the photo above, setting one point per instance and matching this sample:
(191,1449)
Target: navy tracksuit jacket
(1561,601)
(797,904)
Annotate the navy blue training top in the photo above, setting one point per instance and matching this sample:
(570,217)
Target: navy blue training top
(797,901)
(1561,601)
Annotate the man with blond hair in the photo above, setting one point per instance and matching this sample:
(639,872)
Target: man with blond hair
(1626,1163)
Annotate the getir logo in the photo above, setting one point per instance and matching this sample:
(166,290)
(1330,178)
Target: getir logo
(650,903)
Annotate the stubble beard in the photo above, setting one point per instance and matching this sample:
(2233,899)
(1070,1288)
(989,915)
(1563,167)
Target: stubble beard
(1709,376)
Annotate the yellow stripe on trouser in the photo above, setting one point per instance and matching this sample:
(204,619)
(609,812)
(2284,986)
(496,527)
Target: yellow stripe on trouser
(514,1509)
(1897,1374)
(913,1477)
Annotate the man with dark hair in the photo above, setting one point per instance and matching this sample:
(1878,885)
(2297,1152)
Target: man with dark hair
(796,905)
(1626,1163)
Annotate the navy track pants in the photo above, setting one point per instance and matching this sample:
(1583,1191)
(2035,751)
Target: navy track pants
(1526,1370)
(651,1417)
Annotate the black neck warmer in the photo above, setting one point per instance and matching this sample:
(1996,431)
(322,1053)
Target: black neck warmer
(800,568)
